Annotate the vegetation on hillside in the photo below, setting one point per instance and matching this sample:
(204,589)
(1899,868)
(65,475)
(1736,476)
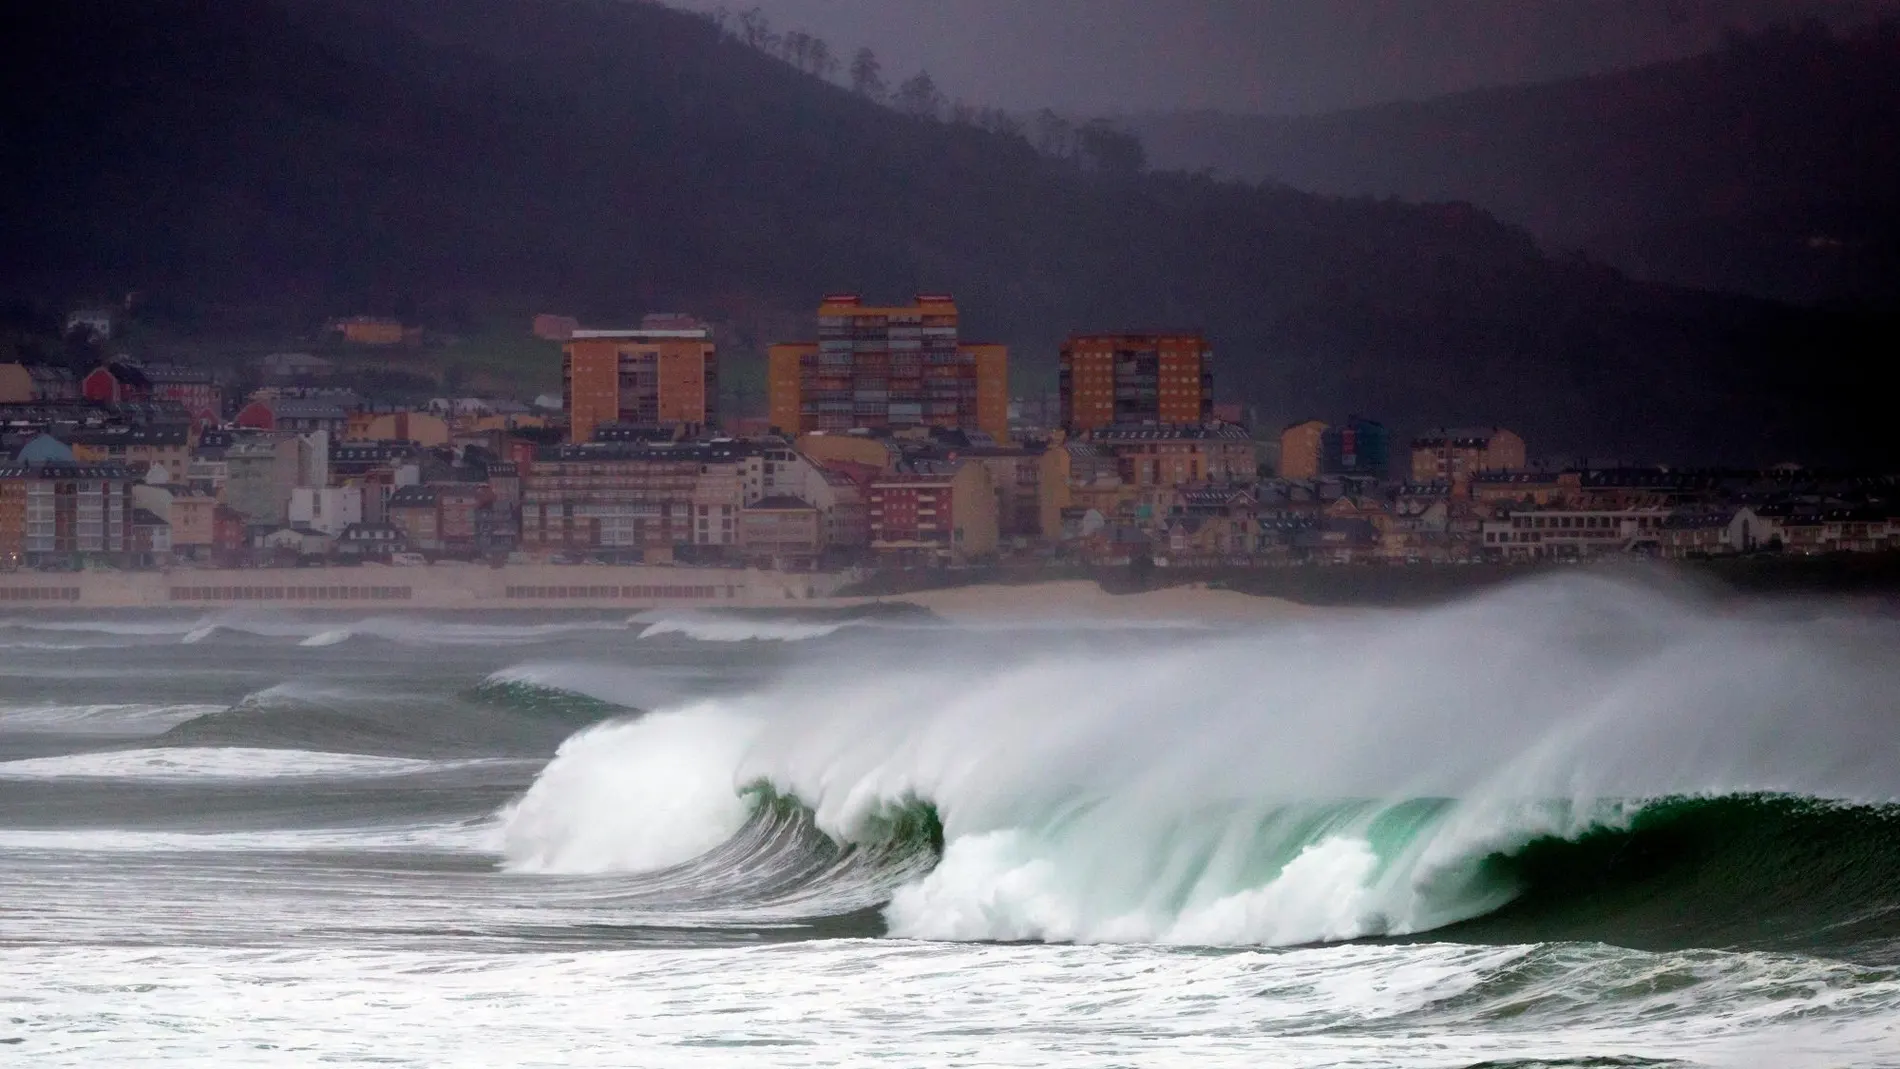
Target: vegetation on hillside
(606,158)
(1766,167)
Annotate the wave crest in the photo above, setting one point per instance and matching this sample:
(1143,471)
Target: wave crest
(1333,777)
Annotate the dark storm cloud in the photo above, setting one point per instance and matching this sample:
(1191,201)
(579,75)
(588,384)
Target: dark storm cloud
(1266,55)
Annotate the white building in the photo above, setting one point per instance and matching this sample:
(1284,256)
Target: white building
(329,509)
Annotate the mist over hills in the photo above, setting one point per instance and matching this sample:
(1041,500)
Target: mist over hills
(1768,166)
(610,158)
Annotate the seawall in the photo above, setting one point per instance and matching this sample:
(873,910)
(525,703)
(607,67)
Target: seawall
(434,586)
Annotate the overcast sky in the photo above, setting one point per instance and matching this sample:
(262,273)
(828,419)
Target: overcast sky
(1278,56)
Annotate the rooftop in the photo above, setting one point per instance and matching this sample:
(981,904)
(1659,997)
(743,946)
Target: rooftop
(68,471)
(641,334)
(1188,432)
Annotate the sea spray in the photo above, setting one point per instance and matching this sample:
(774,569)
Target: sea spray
(1343,776)
(632,796)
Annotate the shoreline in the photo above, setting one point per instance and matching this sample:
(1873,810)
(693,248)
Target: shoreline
(1214,595)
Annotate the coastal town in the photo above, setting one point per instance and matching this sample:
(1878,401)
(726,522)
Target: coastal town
(888,441)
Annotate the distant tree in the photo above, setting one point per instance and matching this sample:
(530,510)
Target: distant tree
(867,75)
(754,28)
(82,350)
(1000,122)
(1106,150)
(918,96)
(963,114)
(796,48)
(823,63)
(1055,136)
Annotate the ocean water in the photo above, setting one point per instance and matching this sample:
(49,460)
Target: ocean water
(1573,822)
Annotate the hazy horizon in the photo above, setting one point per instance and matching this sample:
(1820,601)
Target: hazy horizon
(1266,56)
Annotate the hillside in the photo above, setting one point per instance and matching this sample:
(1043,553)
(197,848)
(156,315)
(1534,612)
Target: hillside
(608,158)
(1767,167)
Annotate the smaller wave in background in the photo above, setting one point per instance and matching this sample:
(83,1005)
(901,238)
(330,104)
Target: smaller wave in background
(777,625)
(460,837)
(615,689)
(251,625)
(329,638)
(121,627)
(123,718)
(431,632)
(535,698)
(221,763)
(504,716)
(708,628)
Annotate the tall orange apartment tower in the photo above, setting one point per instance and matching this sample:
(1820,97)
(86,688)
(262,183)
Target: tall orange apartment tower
(665,372)
(888,366)
(1108,380)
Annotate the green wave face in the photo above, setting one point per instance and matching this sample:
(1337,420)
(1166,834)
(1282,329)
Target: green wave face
(542,700)
(1757,871)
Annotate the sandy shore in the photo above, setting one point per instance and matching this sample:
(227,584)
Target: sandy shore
(1080,599)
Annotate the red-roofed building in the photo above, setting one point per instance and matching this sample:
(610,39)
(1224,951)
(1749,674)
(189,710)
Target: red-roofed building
(116,383)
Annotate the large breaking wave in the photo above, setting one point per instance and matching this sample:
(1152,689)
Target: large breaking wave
(1577,759)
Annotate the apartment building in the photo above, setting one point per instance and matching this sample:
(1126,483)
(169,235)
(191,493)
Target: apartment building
(1456,455)
(139,447)
(895,367)
(639,497)
(1301,448)
(666,372)
(440,517)
(1572,533)
(933,512)
(195,389)
(1172,456)
(782,531)
(65,512)
(1105,380)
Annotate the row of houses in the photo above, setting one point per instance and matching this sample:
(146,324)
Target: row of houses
(1178,493)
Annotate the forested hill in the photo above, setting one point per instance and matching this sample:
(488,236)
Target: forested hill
(610,157)
(1767,167)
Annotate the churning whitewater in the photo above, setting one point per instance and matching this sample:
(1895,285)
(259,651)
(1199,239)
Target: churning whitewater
(1573,819)
(1365,775)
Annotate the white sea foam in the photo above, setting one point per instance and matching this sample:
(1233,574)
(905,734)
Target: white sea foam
(1338,778)
(421,631)
(704,627)
(817,1003)
(328,638)
(219,763)
(666,780)
(470,837)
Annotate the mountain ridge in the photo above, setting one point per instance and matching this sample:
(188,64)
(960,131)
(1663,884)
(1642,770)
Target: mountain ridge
(1765,167)
(349,155)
